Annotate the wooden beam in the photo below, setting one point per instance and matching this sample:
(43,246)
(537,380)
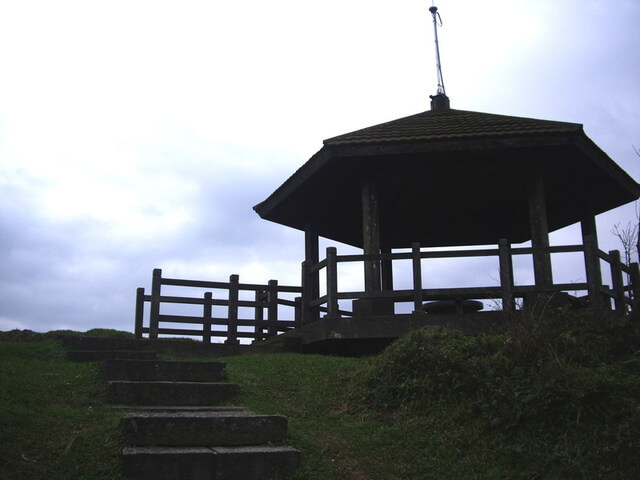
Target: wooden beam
(588,226)
(371,235)
(506,275)
(590,234)
(539,228)
(387,271)
(310,279)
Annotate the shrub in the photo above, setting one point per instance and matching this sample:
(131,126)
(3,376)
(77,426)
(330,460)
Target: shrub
(561,390)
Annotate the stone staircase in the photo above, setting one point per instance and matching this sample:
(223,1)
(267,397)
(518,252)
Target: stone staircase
(172,423)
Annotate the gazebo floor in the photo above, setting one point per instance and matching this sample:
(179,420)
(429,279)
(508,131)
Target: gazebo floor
(355,336)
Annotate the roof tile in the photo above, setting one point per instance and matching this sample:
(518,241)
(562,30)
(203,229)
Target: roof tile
(450,124)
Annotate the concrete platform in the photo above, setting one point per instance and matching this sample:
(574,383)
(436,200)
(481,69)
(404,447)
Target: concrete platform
(363,335)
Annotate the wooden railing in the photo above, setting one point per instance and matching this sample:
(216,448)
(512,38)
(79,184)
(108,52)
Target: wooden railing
(257,327)
(622,292)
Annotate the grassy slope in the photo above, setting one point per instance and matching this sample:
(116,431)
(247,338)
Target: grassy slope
(54,422)
(339,440)
(540,402)
(553,398)
(317,393)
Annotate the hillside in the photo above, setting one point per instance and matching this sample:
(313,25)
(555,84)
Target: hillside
(552,398)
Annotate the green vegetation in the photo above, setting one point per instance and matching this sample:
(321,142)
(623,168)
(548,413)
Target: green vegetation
(31,336)
(553,398)
(54,421)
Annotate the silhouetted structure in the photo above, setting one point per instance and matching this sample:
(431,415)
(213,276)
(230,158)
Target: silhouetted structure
(440,178)
(447,177)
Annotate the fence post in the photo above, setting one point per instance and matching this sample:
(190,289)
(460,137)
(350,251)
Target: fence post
(332,282)
(310,292)
(592,267)
(417,277)
(617,280)
(139,312)
(272,309)
(232,320)
(258,316)
(635,285)
(297,319)
(154,311)
(206,317)
(506,275)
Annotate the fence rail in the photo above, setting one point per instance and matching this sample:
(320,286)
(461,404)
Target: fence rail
(507,292)
(269,300)
(265,298)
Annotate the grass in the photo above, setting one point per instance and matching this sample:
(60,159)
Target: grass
(552,398)
(54,421)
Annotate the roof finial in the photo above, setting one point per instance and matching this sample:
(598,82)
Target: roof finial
(440,101)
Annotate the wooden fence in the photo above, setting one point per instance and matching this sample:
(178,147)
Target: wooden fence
(265,298)
(623,289)
(623,294)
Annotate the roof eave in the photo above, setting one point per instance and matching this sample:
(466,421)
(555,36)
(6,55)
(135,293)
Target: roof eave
(306,171)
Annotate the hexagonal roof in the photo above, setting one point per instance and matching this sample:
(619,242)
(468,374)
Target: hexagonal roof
(450,177)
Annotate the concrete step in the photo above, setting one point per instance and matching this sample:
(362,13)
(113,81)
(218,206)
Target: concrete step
(171,408)
(202,428)
(101,355)
(170,393)
(79,342)
(215,463)
(255,462)
(176,463)
(157,370)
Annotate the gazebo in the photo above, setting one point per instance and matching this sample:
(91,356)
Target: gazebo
(442,178)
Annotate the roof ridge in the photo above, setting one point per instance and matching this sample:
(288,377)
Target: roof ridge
(435,125)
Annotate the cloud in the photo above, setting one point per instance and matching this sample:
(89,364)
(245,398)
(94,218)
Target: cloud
(137,135)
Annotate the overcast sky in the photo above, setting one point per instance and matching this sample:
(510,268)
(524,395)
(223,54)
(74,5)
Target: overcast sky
(139,134)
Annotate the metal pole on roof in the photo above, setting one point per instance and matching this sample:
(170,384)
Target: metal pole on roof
(437,20)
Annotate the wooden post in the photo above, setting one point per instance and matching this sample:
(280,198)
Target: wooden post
(617,281)
(297,313)
(588,228)
(154,311)
(258,316)
(310,280)
(539,229)
(206,317)
(417,277)
(139,312)
(272,309)
(332,282)
(592,267)
(506,275)
(635,285)
(232,317)
(371,235)
(309,293)
(387,271)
